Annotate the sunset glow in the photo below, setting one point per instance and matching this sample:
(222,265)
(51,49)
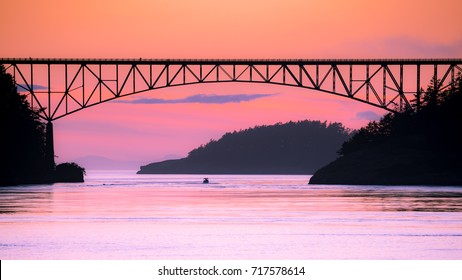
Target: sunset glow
(128,131)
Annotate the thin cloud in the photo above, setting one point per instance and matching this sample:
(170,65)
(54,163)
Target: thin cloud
(412,46)
(24,87)
(409,47)
(368,115)
(200,98)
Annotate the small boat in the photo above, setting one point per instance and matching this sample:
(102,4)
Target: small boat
(206,181)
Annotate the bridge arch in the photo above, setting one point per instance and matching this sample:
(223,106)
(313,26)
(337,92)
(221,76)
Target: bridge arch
(59,87)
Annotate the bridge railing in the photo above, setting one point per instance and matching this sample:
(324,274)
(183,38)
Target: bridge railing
(236,61)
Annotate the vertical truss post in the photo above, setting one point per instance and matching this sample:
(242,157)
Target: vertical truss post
(83,84)
(317,75)
(66,90)
(250,71)
(351,79)
(452,78)
(100,84)
(418,92)
(184,73)
(434,97)
(334,77)
(31,84)
(384,93)
(368,83)
(14,71)
(49,90)
(300,76)
(401,89)
(167,66)
(284,74)
(150,76)
(134,76)
(117,80)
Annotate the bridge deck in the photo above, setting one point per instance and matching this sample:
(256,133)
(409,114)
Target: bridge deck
(380,61)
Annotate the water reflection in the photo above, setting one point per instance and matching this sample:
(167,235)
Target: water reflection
(125,216)
(24,199)
(429,201)
(109,197)
(406,200)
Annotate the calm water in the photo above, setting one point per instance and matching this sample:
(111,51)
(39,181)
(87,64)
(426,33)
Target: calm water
(121,215)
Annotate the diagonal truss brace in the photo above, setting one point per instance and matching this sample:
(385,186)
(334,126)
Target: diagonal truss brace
(59,87)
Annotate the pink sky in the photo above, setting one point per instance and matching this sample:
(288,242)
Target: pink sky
(218,29)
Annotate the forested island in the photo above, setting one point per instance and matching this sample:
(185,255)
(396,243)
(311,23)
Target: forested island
(415,147)
(285,148)
(24,158)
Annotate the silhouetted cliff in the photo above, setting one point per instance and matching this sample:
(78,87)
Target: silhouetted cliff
(23,150)
(291,148)
(415,147)
(22,146)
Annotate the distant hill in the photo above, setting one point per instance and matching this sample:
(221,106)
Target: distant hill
(415,147)
(102,163)
(290,148)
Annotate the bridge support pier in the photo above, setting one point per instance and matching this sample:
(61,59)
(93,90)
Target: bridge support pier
(50,150)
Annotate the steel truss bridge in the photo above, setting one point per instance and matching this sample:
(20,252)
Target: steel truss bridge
(59,87)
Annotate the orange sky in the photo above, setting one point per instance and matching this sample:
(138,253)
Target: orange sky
(217,29)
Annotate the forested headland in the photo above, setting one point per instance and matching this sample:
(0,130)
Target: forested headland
(24,158)
(420,146)
(284,148)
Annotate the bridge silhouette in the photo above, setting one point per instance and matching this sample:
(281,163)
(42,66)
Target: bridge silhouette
(59,87)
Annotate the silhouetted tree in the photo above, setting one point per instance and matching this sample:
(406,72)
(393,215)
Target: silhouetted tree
(432,97)
(421,146)
(434,125)
(22,146)
(417,146)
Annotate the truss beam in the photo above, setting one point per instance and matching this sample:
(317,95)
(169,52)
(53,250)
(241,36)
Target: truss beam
(59,87)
